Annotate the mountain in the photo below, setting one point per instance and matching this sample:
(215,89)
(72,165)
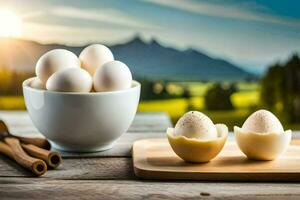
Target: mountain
(145,59)
(153,60)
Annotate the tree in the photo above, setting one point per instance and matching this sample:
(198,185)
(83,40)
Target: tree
(280,91)
(290,90)
(218,98)
(272,87)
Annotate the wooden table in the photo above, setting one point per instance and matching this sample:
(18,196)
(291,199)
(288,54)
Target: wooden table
(111,175)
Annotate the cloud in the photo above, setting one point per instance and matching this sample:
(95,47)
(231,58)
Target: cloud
(105,16)
(247,12)
(49,33)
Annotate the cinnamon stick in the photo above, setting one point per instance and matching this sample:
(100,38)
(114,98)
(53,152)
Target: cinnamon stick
(52,158)
(6,150)
(37,141)
(37,166)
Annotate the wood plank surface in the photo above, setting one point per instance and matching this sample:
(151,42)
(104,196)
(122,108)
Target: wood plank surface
(71,169)
(20,123)
(122,146)
(155,159)
(29,188)
(110,175)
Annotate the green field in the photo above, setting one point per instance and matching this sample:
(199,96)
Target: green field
(242,102)
(12,103)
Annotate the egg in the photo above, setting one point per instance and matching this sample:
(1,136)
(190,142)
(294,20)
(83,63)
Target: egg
(262,121)
(195,124)
(196,139)
(95,56)
(53,61)
(70,80)
(112,76)
(262,136)
(37,84)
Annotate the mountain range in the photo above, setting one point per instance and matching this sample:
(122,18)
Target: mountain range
(149,60)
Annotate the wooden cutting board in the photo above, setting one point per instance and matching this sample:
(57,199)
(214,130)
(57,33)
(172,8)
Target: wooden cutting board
(154,159)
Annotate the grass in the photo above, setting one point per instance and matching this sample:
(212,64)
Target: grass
(176,107)
(12,103)
(245,99)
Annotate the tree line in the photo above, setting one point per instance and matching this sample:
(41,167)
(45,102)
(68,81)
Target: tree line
(280,89)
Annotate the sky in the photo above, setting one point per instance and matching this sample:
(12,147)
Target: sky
(251,34)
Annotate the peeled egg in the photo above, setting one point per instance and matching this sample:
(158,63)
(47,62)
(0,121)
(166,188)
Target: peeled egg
(53,61)
(70,80)
(196,139)
(37,84)
(112,76)
(262,136)
(95,56)
(195,124)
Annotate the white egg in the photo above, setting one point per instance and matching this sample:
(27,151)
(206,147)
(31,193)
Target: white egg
(70,80)
(37,84)
(53,61)
(197,125)
(262,121)
(112,76)
(95,56)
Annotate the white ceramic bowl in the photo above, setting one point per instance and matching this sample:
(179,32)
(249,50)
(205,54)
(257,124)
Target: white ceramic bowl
(81,122)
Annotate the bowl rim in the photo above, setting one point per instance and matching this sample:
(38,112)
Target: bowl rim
(25,85)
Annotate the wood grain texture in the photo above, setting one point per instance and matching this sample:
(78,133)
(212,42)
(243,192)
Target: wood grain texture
(88,168)
(110,175)
(155,159)
(14,188)
(122,147)
(20,124)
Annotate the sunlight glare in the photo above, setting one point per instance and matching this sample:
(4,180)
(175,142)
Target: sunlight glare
(10,24)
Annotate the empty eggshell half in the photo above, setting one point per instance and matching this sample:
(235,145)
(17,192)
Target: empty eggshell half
(262,136)
(197,150)
(70,80)
(94,56)
(112,76)
(53,61)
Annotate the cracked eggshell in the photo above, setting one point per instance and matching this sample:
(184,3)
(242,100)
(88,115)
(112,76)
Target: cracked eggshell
(94,56)
(53,61)
(195,124)
(262,136)
(196,150)
(70,80)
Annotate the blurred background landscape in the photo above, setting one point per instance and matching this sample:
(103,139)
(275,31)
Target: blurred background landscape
(224,58)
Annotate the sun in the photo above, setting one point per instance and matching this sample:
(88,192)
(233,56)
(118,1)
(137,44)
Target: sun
(10,24)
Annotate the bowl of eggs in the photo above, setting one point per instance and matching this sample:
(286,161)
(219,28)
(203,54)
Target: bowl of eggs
(84,103)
